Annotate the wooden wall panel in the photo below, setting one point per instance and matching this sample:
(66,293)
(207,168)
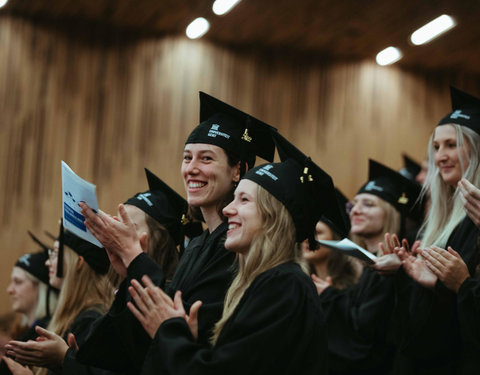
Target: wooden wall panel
(110,105)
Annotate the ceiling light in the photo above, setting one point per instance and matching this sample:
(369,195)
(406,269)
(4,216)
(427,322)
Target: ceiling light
(221,7)
(388,56)
(3,2)
(432,29)
(197,28)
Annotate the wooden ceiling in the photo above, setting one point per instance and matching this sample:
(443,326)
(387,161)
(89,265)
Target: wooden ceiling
(315,29)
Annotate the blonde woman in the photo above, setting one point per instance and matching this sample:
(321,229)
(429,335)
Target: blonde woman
(454,153)
(78,269)
(271,322)
(29,291)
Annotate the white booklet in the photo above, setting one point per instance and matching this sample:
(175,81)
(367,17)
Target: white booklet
(348,247)
(76,190)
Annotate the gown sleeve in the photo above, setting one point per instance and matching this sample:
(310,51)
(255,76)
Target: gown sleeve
(277,328)
(117,341)
(358,320)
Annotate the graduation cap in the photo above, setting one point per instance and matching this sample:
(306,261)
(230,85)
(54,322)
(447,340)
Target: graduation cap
(410,169)
(34,264)
(302,187)
(96,257)
(167,207)
(339,223)
(233,130)
(395,189)
(466,110)
(35,239)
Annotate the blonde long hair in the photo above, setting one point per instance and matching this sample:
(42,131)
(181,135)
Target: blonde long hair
(41,309)
(82,288)
(446,209)
(273,246)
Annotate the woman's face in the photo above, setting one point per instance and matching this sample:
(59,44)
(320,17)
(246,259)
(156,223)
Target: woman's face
(367,215)
(51,263)
(244,219)
(22,291)
(322,232)
(207,176)
(447,157)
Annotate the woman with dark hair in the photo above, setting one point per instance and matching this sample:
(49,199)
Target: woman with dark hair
(271,321)
(217,152)
(359,317)
(339,270)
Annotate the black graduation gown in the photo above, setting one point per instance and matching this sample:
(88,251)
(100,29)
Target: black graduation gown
(277,328)
(81,328)
(357,321)
(205,271)
(468,307)
(427,329)
(29,334)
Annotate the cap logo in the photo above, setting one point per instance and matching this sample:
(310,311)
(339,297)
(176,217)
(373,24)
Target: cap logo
(214,131)
(305,174)
(265,171)
(184,220)
(25,259)
(403,199)
(144,197)
(458,113)
(371,186)
(246,137)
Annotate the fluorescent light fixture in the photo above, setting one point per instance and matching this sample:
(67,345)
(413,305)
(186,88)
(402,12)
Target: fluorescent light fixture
(3,2)
(197,28)
(221,7)
(432,29)
(388,56)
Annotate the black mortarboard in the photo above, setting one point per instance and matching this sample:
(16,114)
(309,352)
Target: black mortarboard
(340,223)
(96,257)
(410,168)
(330,210)
(233,130)
(167,207)
(303,187)
(35,239)
(34,264)
(466,110)
(395,189)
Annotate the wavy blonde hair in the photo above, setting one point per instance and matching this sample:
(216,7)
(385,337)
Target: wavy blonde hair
(82,288)
(446,209)
(274,245)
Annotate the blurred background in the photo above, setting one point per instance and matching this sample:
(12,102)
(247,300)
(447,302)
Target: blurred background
(111,87)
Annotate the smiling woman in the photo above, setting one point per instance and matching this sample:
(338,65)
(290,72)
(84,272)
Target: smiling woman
(271,303)
(217,153)
(453,154)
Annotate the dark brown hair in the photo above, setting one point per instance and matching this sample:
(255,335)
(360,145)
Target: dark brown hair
(161,247)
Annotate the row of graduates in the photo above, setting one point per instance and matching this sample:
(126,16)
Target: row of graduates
(240,298)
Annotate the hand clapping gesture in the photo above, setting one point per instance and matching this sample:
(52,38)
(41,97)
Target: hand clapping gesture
(47,351)
(118,236)
(153,307)
(470,197)
(448,266)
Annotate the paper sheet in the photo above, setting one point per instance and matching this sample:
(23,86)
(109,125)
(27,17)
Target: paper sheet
(75,190)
